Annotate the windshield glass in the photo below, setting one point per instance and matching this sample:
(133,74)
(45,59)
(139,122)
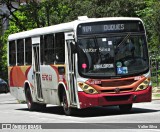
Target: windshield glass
(112,56)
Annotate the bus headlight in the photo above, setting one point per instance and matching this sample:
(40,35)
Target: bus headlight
(87,89)
(143,85)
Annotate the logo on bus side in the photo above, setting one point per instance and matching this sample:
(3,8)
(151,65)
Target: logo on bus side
(92,50)
(46,77)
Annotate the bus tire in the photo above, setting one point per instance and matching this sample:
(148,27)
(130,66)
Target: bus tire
(125,108)
(31,105)
(66,108)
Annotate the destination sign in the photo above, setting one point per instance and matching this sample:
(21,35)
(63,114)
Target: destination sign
(109,27)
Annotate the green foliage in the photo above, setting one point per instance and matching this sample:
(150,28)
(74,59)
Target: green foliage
(51,12)
(105,8)
(151,17)
(3,58)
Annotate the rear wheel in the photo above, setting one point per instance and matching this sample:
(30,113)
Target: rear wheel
(31,105)
(125,108)
(66,108)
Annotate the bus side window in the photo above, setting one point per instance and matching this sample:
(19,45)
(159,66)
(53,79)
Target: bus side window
(48,49)
(12,53)
(20,52)
(28,51)
(59,48)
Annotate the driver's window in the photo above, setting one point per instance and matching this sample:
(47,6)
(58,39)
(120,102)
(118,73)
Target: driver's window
(138,43)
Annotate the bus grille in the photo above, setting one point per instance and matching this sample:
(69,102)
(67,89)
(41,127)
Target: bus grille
(117,98)
(113,90)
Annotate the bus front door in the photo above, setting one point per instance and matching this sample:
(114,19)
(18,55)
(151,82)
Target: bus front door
(36,67)
(70,70)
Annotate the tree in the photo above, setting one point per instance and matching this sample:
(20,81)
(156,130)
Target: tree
(10,15)
(33,14)
(3,39)
(151,17)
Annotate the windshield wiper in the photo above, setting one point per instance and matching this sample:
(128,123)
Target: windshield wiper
(124,40)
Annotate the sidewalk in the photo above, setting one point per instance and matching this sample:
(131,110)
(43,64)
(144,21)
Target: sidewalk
(155,93)
(155,96)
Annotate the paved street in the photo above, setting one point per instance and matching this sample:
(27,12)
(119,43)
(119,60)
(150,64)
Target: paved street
(12,112)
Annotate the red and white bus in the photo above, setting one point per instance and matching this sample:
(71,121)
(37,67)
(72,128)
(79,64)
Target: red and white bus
(84,63)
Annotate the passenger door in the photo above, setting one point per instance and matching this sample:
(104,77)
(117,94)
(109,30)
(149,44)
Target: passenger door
(36,67)
(70,69)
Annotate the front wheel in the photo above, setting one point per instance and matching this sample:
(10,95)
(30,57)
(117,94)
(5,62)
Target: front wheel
(125,108)
(66,108)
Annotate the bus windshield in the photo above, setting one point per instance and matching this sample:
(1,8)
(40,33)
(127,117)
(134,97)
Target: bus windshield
(112,56)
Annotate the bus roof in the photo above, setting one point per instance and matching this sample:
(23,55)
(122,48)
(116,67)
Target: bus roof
(64,27)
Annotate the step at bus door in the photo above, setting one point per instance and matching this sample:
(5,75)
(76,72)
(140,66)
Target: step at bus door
(70,69)
(36,67)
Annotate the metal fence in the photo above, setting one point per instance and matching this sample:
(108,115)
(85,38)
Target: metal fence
(155,68)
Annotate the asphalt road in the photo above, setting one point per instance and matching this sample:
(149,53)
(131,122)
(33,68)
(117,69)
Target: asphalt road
(142,114)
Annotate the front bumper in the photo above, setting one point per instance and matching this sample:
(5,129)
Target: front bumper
(89,100)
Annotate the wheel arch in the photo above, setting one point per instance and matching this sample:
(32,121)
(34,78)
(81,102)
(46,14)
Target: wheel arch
(62,88)
(28,85)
